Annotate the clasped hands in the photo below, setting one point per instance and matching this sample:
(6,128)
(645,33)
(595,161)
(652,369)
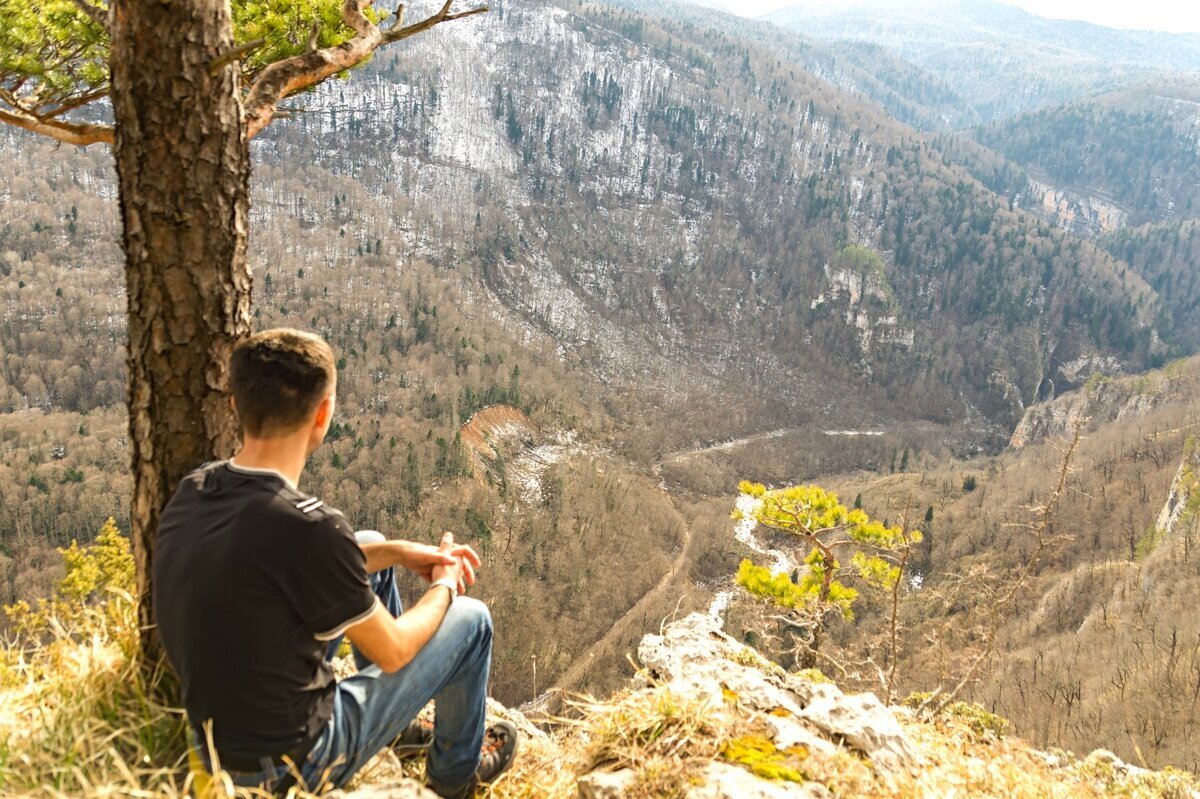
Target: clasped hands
(448,559)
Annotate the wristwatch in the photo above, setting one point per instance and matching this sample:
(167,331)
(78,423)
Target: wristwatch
(450,583)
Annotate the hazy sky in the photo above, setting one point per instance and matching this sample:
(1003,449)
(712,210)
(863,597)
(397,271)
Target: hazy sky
(1163,15)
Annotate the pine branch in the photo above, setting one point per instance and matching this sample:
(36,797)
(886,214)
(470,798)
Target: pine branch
(290,75)
(81,134)
(233,54)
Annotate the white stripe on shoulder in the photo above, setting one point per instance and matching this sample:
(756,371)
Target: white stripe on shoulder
(312,503)
(341,628)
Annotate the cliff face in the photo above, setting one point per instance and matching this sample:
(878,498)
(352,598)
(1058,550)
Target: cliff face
(1105,399)
(1182,508)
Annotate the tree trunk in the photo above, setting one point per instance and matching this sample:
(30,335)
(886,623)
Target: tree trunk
(183,166)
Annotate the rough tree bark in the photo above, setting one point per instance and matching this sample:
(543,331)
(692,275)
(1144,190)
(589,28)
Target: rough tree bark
(183,168)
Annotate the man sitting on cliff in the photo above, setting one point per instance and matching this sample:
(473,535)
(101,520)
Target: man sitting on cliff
(255,583)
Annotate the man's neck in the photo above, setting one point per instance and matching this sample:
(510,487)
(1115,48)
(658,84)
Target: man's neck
(285,455)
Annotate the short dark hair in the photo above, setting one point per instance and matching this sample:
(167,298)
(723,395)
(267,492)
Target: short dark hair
(279,377)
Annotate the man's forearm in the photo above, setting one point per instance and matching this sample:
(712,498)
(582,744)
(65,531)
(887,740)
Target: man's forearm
(384,555)
(419,623)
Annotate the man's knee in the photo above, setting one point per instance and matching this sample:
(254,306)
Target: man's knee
(471,615)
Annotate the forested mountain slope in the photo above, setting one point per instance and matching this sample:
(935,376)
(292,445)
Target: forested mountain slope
(1167,256)
(1097,646)
(1136,151)
(998,58)
(675,205)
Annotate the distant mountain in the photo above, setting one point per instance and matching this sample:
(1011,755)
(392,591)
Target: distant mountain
(1001,60)
(688,210)
(1136,152)
(1167,256)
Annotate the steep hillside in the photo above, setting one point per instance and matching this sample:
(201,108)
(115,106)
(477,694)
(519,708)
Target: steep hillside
(626,192)
(999,59)
(647,233)
(1098,643)
(706,717)
(1124,158)
(1167,256)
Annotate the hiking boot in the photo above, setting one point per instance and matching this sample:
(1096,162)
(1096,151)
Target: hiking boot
(497,754)
(416,738)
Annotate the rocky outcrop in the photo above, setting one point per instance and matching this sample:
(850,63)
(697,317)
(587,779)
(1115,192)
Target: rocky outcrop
(698,665)
(709,718)
(495,431)
(1183,503)
(695,659)
(1084,214)
(1105,399)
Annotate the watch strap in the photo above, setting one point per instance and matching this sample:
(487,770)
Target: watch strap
(450,583)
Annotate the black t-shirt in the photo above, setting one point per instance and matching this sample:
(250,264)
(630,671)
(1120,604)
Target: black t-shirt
(250,578)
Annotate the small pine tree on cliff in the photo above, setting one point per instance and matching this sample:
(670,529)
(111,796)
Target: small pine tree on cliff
(843,544)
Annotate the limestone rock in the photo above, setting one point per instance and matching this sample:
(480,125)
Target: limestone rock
(404,789)
(726,781)
(865,723)
(787,732)
(605,784)
(524,726)
(695,658)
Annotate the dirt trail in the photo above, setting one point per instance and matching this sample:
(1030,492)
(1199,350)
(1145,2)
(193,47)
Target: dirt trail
(727,445)
(550,701)
(577,669)
(580,665)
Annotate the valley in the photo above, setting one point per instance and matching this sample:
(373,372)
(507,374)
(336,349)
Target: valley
(588,265)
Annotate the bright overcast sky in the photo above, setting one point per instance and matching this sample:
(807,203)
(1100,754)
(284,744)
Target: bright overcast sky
(1163,15)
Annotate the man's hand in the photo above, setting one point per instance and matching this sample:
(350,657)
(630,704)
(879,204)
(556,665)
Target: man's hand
(422,558)
(457,560)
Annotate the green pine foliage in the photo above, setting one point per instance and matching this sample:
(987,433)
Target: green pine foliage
(779,588)
(53,50)
(58,56)
(825,526)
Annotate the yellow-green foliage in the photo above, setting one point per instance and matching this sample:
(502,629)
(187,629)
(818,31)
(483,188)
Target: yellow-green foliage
(1096,380)
(778,588)
(760,755)
(814,515)
(284,27)
(1148,542)
(870,267)
(746,656)
(93,572)
(982,724)
(814,676)
(78,712)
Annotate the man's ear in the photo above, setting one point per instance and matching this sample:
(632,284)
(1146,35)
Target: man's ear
(321,418)
(232,403)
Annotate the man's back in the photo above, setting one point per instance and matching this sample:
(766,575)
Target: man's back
(249,577)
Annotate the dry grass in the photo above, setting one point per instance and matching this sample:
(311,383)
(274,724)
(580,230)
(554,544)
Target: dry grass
(78,718)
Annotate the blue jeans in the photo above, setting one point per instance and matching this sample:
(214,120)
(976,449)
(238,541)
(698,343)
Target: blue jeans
(371,709)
